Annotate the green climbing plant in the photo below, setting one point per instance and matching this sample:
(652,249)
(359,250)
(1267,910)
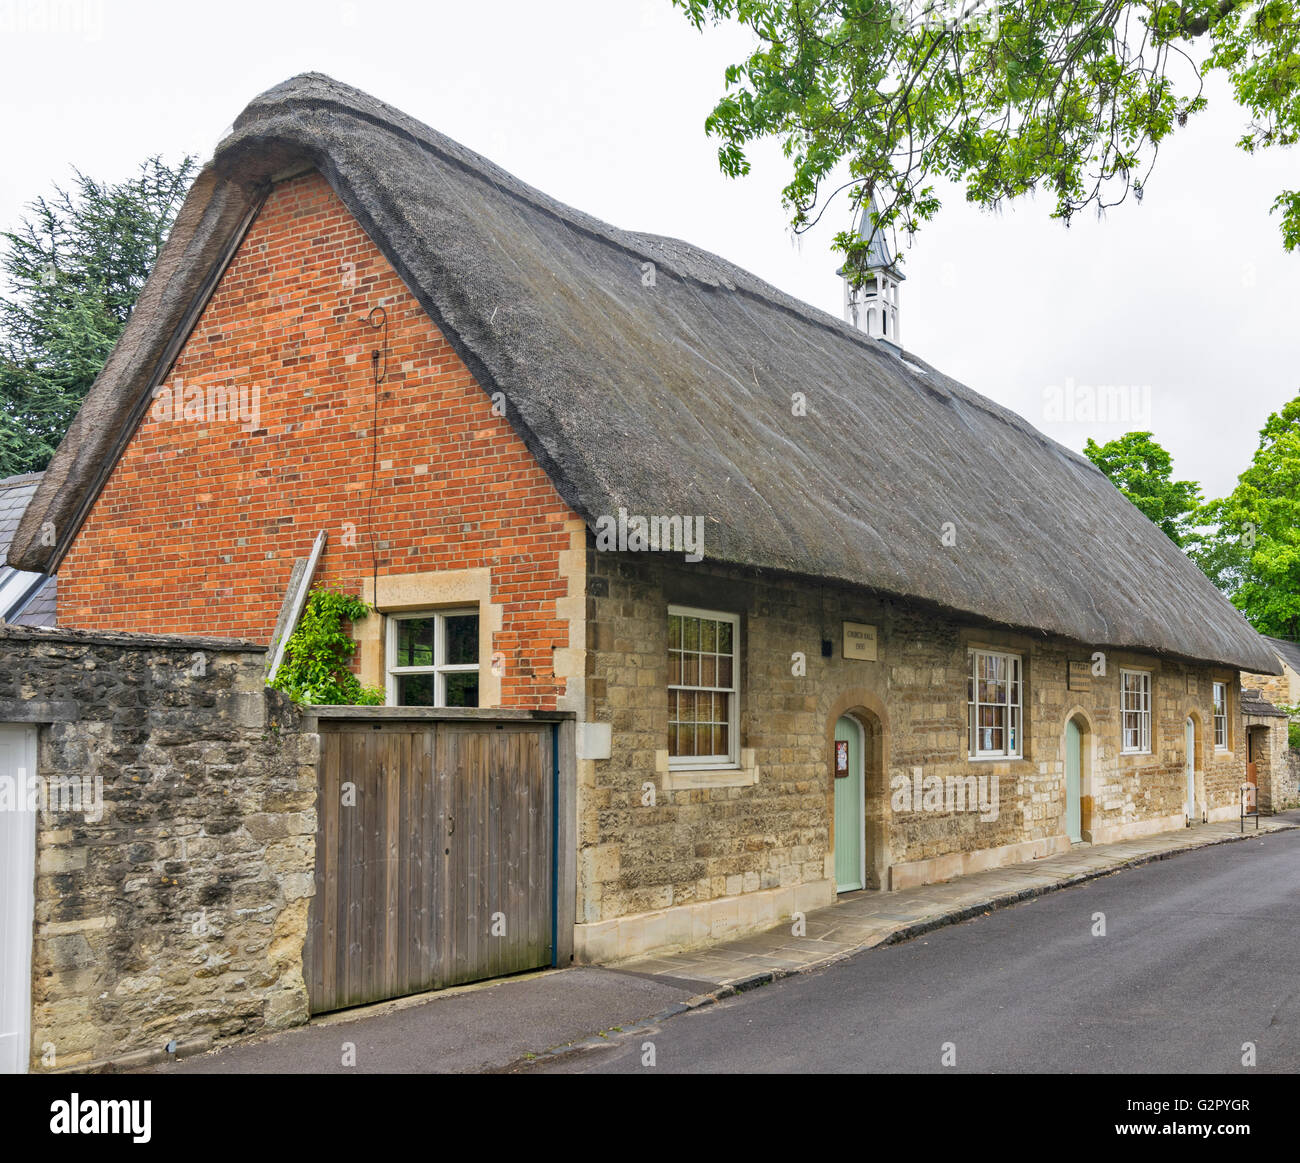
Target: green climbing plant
(316,657)
(1293,727)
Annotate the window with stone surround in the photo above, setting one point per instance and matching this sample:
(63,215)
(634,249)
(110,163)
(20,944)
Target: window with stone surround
(432,659)
(994,692)
(1220,716)
(703,688)
(1135,706)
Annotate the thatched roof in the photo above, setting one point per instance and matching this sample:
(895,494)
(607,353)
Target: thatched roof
(675,398)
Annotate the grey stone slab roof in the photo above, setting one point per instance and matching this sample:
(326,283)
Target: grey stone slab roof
(1253,703)
(16,493)
(673,395)
(41,610)
(1290,652)
(879,253)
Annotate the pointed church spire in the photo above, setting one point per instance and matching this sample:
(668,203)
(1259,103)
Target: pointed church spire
(873,306)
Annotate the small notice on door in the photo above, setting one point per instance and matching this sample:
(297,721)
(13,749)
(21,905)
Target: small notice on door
(859,641)
(841,758)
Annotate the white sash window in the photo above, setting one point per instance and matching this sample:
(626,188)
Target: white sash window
(995,696)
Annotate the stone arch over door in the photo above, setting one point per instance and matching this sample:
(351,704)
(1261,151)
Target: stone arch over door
(1087,766)
(866,708)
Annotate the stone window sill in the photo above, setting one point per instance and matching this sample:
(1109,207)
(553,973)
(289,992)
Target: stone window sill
(744,774)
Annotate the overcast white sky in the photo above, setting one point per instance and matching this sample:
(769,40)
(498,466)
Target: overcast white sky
(601,103)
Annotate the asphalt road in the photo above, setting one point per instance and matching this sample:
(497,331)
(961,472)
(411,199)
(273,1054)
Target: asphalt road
(1201,954)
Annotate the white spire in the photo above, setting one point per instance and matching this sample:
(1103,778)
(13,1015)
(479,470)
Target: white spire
(873,306)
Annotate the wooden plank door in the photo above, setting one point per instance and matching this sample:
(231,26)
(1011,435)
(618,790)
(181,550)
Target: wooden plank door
(499,871)
(369,927)
(434,858)
(1252,773)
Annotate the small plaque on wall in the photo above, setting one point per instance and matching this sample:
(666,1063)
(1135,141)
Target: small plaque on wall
(1192,685)
(1080,676)
(859,641)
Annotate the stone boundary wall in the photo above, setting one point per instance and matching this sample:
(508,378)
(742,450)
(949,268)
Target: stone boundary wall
(171,902)
(1292,768)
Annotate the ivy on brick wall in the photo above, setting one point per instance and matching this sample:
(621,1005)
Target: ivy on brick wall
(316,662)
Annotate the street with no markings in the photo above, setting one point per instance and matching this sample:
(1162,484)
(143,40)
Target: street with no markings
(1201,955)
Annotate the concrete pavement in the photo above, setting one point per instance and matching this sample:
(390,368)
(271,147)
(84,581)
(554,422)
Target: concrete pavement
(471,1029)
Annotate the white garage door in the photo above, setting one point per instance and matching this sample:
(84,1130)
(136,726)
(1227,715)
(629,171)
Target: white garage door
(17,884)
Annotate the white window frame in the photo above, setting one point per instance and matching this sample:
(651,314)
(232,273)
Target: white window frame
(1221,716)
(1144,713)
(732,759)
(440,669)
(1015,676)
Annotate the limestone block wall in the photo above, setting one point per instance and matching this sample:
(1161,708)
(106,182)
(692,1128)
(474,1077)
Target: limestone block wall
(769,825)
(1282,690)
(171,903)
(1272,766)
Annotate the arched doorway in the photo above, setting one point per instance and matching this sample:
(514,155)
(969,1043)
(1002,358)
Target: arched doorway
(858,714)
(1078,783)
(1189,732)
(848,769)
(1074,780)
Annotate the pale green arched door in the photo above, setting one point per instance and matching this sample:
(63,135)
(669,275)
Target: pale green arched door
(1073,781)
(850,805)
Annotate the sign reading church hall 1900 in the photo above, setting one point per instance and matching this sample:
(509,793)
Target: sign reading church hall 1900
(859,641)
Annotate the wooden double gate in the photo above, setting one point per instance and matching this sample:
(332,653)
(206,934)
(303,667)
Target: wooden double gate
(435,857)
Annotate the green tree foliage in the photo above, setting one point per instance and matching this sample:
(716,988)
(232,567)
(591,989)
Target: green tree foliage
(1218,548)
(74,268)
(1143,471)
(316,657)
(1001,96)
(1250,544)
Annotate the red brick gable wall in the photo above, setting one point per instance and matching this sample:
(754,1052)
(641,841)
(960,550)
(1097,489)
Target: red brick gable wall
(199,524)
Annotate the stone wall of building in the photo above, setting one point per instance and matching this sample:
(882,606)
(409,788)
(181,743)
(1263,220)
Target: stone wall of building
(684,861)
(1282,690)
(171,901)
(1273,770)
